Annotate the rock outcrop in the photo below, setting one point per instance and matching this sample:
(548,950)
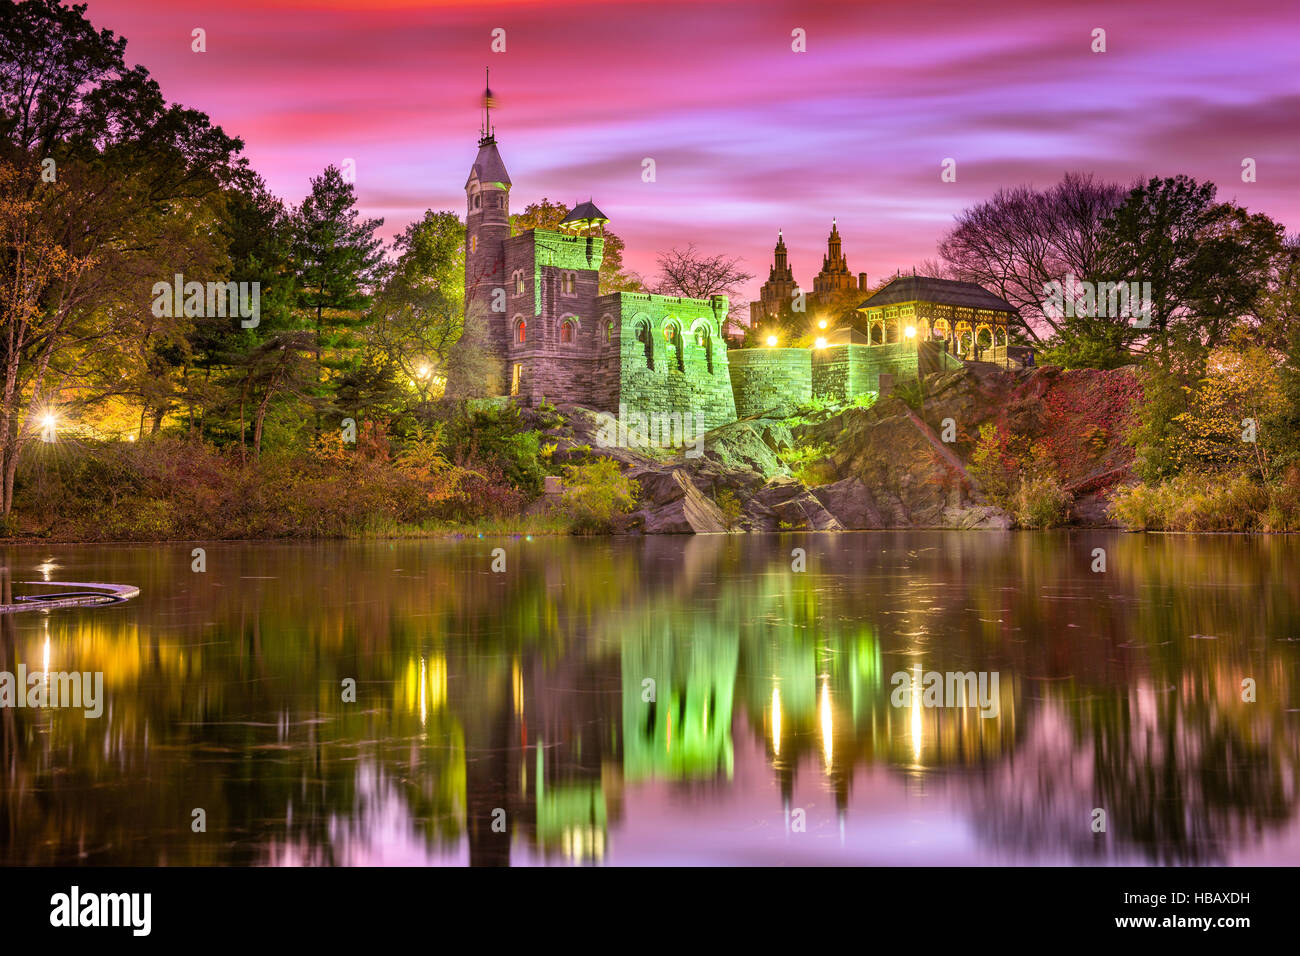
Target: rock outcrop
(893,465)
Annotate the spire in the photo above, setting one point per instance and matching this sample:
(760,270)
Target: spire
(780,267)
(485,134)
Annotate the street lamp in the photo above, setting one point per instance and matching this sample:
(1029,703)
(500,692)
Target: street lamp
(910,331)
(771,341)
(820,343)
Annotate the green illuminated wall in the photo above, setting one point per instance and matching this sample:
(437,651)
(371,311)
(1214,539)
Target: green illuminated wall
(762,379)
(694,381)
(843,372)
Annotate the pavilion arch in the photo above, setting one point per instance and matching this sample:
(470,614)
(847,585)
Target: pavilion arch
(876,333)
(941,328)
(984,337)
(965,338)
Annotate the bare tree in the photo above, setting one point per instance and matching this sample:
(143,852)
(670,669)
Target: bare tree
(690,273)
(1022,238)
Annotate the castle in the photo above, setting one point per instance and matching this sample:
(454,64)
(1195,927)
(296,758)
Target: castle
(533,302)
(534,308)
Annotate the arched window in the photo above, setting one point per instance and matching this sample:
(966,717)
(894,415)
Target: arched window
(673,336)
(607,331)
(521,330)
(478,201)
(473,244)
(567,328)
(569,283)
(705,343)
(647,340)
(519,282)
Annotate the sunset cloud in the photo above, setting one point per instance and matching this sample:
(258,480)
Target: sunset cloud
(748,136)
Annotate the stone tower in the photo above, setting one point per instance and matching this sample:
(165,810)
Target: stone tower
(479,363)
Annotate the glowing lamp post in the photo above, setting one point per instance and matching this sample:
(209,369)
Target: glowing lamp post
(821,323)
(820,343)
(48,422)
(910,331)
(771,341)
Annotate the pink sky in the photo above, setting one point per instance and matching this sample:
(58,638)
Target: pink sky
(747,135)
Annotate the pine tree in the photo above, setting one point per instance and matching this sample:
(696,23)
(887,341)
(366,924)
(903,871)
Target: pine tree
(338,257)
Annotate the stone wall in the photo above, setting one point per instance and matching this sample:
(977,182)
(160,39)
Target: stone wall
(685,372)
(764,378)
(843,372)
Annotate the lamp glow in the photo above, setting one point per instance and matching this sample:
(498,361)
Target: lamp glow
(910,331)
(820,343)
(821,323)
(771,341)
(48,421)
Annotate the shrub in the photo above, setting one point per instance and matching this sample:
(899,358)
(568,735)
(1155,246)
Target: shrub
(1139,507)
(497,439)
(1207,503)
(595,493)
(1041,502)
(995,466)
(730,507)
(809,463)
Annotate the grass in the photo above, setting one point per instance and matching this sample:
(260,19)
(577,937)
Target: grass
(1210,503)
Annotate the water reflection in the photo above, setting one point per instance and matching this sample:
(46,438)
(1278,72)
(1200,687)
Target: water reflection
(663,700)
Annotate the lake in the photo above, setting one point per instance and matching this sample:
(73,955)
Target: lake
(665,700)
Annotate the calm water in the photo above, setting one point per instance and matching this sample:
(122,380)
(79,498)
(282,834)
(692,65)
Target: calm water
(771,739)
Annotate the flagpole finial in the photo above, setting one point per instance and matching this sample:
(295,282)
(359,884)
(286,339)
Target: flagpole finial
(485,134)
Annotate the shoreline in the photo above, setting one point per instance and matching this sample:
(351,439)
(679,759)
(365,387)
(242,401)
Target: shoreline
(528,535)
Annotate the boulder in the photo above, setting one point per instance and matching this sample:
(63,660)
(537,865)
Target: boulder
(671,504)
(851,503)
(785,504)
